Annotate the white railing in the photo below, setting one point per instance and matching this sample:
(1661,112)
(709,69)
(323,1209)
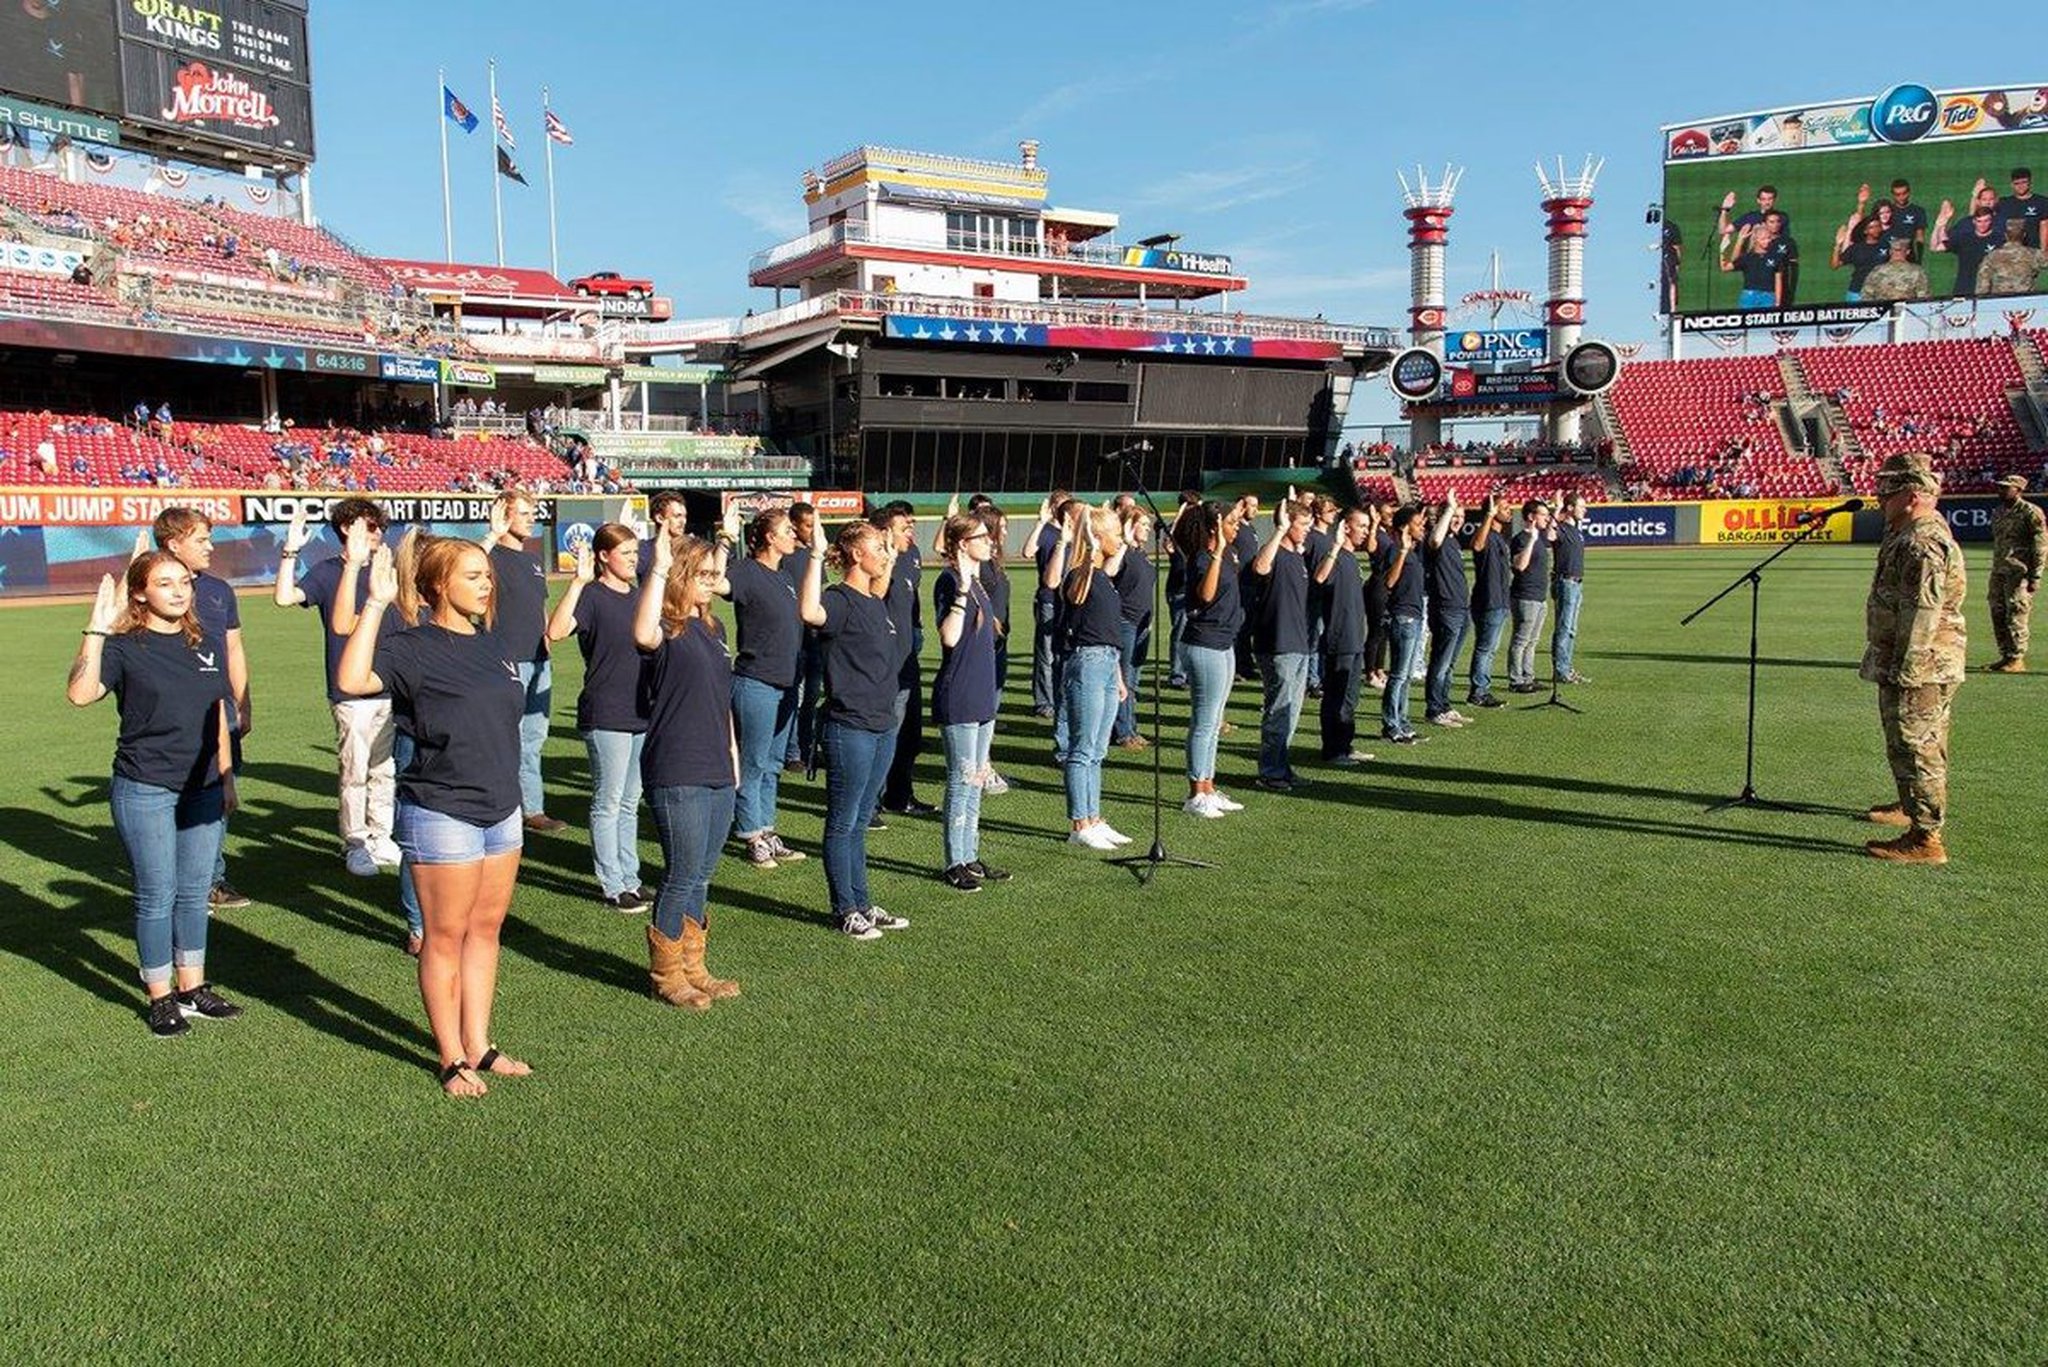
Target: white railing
(1090,253)
(933,161)
(870,303)
(520,344)
(681,330)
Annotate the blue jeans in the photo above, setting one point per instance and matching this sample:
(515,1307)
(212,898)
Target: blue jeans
(1447,633)
(615,808)
(1133,650)
(172,839)
(1089,695)
(1210,670)
(1564,637)
(1044,606)
(408,892)
(539,681)
(858,763)
(1176,652)
(1405,640)
(810,686)
(764,720)
(1286,678)
(1529,615)
(691,823)
(1488,627)
(967,747)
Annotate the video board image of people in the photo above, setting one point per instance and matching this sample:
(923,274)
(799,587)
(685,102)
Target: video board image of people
(61,51)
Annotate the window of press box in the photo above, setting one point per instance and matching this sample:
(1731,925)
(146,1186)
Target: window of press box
(908,386)
(1098,391)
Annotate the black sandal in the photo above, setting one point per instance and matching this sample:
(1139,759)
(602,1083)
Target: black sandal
(489,1056)
(451,1072)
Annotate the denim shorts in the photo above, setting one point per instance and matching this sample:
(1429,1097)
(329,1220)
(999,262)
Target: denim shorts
(429,837)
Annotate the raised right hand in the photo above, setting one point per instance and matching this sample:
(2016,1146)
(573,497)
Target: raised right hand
(383,577)
(664,554)
(298,534)
(141,546)
(586,563)
(501,519)
(106,605)
(1728,200)
(356,546)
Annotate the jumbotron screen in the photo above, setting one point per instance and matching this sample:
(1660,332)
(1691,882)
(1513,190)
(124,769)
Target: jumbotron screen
(1834,212)
(228,72)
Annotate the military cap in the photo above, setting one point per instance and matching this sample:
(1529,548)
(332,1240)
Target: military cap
(1907,470)
(2018,482)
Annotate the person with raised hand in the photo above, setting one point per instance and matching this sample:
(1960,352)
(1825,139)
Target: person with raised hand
(461,700)
(521,623)
(1137,579)
(864,651)
(764,680)
(1091,550)
(173,781)
(363,733)
(1207,536)
(965,693)
(611,710)
(690,764)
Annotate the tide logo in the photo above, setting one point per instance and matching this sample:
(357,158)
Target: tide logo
(1961,114)
(1905,113)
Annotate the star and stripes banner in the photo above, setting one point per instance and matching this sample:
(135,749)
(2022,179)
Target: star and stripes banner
(2017,318)
(458,113)
(507,168)
(987,332)
(557,130)
(504,129)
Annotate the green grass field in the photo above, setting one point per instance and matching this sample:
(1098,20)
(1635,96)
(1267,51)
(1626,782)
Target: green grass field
(1501,1049)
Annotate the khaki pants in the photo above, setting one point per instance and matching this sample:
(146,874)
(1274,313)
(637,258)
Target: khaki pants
(1915,724)
(362,748)
(2011,605)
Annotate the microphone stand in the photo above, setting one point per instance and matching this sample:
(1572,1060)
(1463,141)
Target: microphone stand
(1147,865)
(1754,577)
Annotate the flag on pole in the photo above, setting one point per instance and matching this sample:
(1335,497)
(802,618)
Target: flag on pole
(507,169)
(558,130)
(457,112)
(504,129)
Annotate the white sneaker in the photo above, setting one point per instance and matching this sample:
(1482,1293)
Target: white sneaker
(361,862)
(1224,802)
(386,852)
(1459,717)
(1450,719)
(1094,837)
(1116,837)
(1202,805)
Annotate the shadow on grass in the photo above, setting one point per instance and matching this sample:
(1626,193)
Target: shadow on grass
(1681,658)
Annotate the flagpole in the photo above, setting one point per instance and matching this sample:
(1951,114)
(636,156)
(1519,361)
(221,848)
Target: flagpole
(547,139)
(447,201)
(497,186)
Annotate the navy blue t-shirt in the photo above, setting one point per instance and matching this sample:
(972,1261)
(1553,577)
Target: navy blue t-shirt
(1405,597)
(168,693)
(1531,585)
(997,584)
(2029,211)
(907,612)
(1343,607)
(1760,269)
(1042,549)
(1135,580)
(1213,625)
(1095,621)
(1571,552)
(1282,628)
(1906,223)
(764,605)
(689,731)
(1492,571)
(615,676)
(864,652)
(1449,595)
(215,605)
(1862,258)
(521,616)
(321,585)
(1969,251)
(460,700)
(964,689)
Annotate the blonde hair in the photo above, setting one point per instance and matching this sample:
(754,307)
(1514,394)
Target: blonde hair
(1104,530)
(840,556)
(436,566)
(692,556)
(135,614)
(405,562)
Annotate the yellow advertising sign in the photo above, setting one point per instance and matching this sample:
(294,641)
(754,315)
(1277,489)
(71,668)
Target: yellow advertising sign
(1752,522)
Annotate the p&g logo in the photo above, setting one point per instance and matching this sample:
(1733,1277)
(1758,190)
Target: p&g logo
(1905,113)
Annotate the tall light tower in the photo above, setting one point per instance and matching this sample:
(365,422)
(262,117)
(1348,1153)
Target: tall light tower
(1567,199)
(1428,213)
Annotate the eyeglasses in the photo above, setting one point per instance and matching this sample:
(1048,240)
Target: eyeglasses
(977,536)
(706,576)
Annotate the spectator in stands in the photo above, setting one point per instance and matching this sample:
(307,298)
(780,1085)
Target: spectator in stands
(81,274)
(172,781)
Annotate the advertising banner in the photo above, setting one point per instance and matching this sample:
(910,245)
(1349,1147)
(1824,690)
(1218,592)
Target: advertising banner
(36,118)
(569,374)
(1520,386)
(1630,524)
(577,520)
(1495,345)
(1156,259)
(1822,315)
(832,504)
(1904,113)
(1969,517)
(110,507)
(273,509)
(1750,522)
(20,256)
(255,34)
(216,101)
(469,375)
(409,369)
(671,374)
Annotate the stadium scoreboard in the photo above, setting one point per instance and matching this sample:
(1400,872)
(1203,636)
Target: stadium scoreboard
(219,78)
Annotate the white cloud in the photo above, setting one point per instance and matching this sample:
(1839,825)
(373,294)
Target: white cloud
(778,212)
(1212,189)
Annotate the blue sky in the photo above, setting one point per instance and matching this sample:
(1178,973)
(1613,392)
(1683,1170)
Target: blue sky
(1270,130)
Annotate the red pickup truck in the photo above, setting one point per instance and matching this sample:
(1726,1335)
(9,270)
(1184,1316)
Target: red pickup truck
(613,284)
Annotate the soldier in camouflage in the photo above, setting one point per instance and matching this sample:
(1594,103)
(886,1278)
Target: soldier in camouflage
(1900,277)
(2019,548)
(2010,267)
(1914,653)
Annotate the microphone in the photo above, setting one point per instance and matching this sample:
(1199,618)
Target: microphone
(1851,505)
(1107,456)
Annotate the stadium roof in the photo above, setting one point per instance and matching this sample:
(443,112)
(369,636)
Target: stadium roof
(456,277)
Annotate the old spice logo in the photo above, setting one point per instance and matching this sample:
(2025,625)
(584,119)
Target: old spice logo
(204,94)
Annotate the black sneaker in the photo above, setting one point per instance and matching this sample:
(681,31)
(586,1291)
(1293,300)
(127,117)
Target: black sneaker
(1408,738)
(987,874)
(882,920)
(165,1019)
(628,903)
(915,808)
(199,1002)
(875,823)
(1273,785)
(961,878)
(225,898)
(1486,700)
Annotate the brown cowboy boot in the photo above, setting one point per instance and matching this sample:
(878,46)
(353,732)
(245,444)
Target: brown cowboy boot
(1891,814)
(665,972)
(1914,847)
(716,989)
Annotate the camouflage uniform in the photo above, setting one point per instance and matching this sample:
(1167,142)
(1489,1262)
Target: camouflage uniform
(1914,654)
(2019,551)
(1896,280)
(2009,269)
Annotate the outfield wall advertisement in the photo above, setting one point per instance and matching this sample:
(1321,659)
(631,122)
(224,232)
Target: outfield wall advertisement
(1751,522)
